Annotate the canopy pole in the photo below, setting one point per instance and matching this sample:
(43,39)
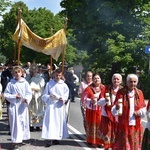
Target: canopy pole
(63,58)
(19,40)
(15,51)
(51,59)
(64,49)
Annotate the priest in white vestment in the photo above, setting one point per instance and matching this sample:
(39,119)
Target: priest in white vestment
(55,95)
(37,106)
(19,94)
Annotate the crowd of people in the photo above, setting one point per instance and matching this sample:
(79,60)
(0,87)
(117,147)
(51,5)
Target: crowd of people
(112,113)
(36,97)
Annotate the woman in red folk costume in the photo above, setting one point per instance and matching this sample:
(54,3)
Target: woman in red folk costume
(84,84)
(93,111)
(108,122)
(130,107)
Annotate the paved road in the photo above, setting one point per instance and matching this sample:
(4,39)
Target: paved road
(76,141)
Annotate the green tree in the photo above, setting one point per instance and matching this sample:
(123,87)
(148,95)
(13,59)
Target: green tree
(9,24)
(142,41)
(4,5)
(109,32)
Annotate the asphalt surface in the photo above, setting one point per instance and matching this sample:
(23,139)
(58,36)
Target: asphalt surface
(35,143)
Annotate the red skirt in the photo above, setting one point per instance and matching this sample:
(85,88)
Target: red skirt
(130,141)
(107,132)
(93,119)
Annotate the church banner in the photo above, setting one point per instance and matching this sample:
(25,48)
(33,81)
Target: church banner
(53,45)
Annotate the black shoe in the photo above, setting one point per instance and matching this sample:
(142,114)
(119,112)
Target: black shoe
(73,101)
(49,144)
(31,129)
(38,129)
(56,142)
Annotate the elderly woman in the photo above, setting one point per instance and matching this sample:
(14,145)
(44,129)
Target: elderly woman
(84,84)
(130,107)
(93,111)
(108,122)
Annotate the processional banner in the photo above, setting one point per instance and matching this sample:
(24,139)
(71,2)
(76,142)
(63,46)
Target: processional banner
(53,45)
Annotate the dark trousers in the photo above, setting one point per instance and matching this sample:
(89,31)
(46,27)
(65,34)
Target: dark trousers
(72,92)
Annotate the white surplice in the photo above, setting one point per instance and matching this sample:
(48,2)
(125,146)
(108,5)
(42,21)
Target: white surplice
(54,122)
(18,109)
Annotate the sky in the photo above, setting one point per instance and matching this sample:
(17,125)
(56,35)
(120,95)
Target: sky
(52,5)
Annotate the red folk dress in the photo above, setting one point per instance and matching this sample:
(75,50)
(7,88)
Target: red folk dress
(108,121)
(93,115)
(129,137)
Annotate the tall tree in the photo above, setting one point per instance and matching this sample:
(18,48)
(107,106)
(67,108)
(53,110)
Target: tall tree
(109,32)
(4,5)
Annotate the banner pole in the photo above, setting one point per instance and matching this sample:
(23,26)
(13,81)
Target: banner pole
(63,58)
(19,40)
(51,59)
(64,49)
(15,46)
(15,50)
